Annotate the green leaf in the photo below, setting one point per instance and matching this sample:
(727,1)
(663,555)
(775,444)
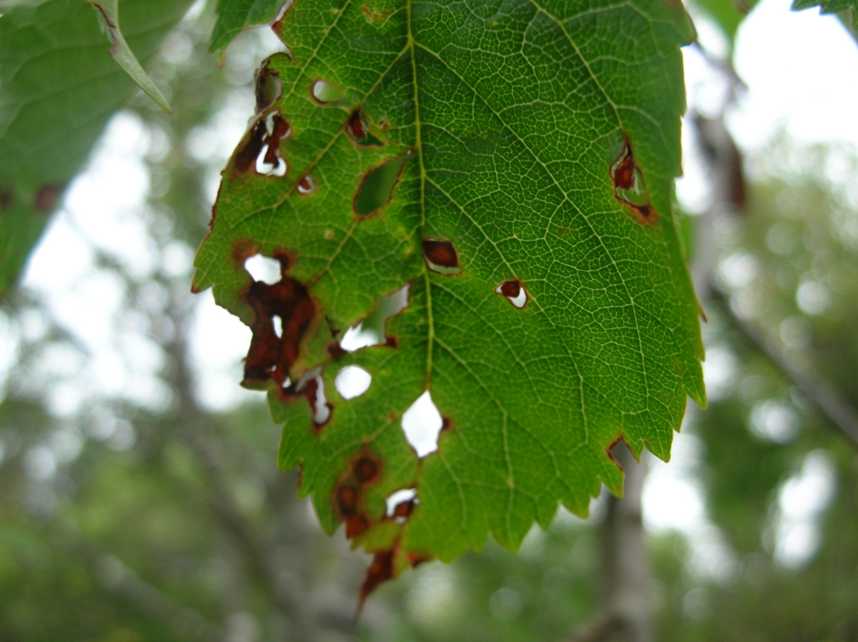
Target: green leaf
(849,8)
(58,89)
(533,147)
(108,12)
(727,14)
(233,16)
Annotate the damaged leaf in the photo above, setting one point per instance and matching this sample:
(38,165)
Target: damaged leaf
(522,222)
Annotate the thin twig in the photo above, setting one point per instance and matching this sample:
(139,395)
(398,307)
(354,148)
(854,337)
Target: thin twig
(839,414)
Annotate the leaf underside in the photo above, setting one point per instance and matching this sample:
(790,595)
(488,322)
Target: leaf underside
(534,147)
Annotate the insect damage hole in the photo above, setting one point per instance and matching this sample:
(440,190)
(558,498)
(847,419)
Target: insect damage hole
(400,504)
(441,256)
(266,165)
(357,128)
(352,381)
(514,292)
(324,92)
(264,269)
(377,186)
(306,185)
(370,331)
(422,424)
(313,386)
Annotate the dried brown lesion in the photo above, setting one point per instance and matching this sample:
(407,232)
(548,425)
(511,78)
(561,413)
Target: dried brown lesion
(441,256)
(273,352)
(630,188)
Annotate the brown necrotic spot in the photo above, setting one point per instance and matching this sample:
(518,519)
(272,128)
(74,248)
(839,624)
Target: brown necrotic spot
(280,129)
(243,249)
(6,199)
(441,256)
(270,356)
(366,469)
(630,187)
(277,25)
(250,148)
(610,451)
(47,197)
(380,570)
(336,350)
(374,16)
(356,525)
(623,171)
(514,292)
(347,500)
(377,187)
(306,185)
(404,509)
(359,132)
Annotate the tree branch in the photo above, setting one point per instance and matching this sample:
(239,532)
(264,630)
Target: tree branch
(839,414)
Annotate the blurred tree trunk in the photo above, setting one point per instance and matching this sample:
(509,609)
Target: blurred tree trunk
(624,557)
(625,616)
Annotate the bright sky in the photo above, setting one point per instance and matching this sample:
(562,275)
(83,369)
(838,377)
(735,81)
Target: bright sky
(800,68)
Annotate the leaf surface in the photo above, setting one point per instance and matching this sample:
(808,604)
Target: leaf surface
(58,88)
(529,150)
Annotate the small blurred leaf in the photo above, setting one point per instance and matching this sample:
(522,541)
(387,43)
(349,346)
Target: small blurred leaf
(727,14)
(59,89)
(108,13)
(233,16)
(848,8)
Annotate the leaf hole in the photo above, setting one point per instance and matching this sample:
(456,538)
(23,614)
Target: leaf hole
(422,424)
(352,381)
(514,292)
(269,164)
(441,256)
(306,185)
(268,89)
(277,322)
(630,188)
(357,128)
(401,503)
(313,387)
(264,268)
(370,331)
(377,186)
(325,93)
